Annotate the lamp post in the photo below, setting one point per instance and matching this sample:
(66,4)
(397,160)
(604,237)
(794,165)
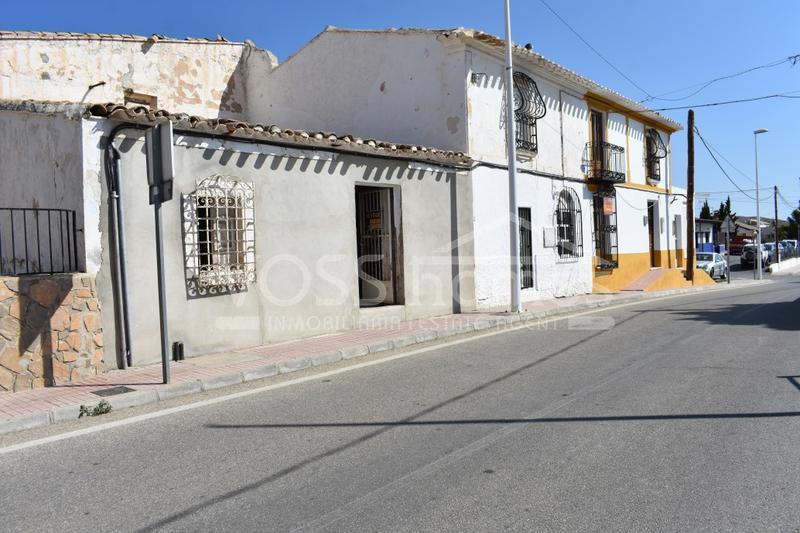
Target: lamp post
(516,291)
(758,206)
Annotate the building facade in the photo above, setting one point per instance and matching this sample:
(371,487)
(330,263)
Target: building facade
(279,229)
(594,182)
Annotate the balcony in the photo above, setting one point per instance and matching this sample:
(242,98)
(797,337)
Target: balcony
(605,162)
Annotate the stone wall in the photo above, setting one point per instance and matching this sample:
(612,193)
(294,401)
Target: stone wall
(51,332)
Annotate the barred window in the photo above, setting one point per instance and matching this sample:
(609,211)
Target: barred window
(654,153)
(219,234)
(529,107)
(569,224)
(605,229)
(525,247)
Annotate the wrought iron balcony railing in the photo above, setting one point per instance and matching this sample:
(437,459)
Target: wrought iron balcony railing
(605,162)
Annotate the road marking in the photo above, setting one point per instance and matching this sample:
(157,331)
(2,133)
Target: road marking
(275,386)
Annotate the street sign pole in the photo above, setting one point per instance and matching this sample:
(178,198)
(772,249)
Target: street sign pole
(728,256)
(159,177)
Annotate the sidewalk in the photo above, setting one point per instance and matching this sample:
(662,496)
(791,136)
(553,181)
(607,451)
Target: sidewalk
(41,407)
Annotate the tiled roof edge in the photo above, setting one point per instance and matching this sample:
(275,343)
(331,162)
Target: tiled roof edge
(272,133)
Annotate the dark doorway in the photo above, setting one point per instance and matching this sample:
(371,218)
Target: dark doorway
(379,246)
(651,223)
(526,247)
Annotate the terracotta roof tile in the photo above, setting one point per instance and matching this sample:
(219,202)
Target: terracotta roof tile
(299,138)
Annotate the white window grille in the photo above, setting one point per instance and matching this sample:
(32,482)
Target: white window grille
(219,235)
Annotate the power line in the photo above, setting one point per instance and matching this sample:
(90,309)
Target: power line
(719,165)
(785,201)
(731,164)
(727,102)
(593,49)
(793,59)
(733,192)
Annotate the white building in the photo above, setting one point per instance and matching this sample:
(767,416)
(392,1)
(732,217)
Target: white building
(595,172)
(317,232)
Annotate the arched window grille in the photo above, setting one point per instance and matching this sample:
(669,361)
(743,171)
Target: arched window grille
(219,236)
(528,108)
(569,224)
(656,150)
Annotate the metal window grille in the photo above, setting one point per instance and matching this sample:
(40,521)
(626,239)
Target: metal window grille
(219,235)
(529,107)
(605,228)
(525,247)
(605,162)
(655,151)
(37,241)
(569,224)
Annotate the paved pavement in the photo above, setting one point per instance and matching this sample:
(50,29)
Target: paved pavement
(671,415)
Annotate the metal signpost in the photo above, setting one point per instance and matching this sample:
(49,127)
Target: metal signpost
(728,227)
(160,173)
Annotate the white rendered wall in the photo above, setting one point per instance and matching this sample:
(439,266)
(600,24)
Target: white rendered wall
(405,87)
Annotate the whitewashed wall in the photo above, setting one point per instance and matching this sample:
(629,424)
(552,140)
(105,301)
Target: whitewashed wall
(566,118)
(405,87)
(553,276)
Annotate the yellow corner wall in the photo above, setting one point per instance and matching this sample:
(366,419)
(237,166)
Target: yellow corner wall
(633,266)
(674,278)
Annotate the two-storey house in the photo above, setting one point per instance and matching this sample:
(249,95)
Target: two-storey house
(597,205)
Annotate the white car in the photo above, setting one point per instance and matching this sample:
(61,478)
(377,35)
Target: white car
(714,264)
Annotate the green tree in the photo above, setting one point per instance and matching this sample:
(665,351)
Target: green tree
(790,231)
(725,210)
(705,211)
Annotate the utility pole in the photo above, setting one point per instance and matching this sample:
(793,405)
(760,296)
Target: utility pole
(756,133)
(516,289)
(777,239)
(690,199)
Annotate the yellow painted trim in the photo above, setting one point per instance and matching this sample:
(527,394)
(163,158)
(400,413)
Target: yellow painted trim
(628,176)
(642,187)
(598,101)
(669,161)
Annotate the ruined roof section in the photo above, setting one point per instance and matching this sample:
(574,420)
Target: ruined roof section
(529,56)
(272,133)
(75,36)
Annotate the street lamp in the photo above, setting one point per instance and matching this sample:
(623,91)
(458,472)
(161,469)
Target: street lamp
(758,206)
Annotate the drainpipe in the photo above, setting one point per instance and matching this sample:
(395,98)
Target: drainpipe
(115,196)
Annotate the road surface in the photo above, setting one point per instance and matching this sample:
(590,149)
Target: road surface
(672,415)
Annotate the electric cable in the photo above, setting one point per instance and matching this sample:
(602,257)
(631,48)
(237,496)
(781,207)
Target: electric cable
(793,59)
(719,165)
(593,49)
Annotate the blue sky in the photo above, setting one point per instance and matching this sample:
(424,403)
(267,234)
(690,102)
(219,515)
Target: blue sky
(661,45)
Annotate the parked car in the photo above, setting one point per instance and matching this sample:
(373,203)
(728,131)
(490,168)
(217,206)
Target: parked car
(774,252)
(714,264)
(738,242)
(790,247)
(748,259)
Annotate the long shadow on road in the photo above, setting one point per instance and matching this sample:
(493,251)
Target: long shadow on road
(412,420)
(383,429)
(504,421)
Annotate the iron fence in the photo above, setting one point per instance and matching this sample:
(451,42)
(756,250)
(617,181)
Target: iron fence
(37,241)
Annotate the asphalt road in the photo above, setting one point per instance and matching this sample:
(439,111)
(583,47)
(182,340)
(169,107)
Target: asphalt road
(673,415)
